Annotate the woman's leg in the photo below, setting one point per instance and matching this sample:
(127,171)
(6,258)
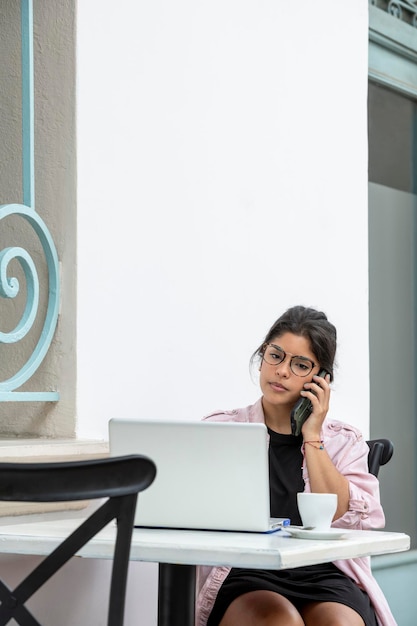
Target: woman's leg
(330,614)
(261,608)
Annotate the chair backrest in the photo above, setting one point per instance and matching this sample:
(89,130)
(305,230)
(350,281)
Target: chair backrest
(119,479)
(380,452)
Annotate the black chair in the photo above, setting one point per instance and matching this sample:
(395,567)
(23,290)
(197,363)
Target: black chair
(119,479)
(380,452)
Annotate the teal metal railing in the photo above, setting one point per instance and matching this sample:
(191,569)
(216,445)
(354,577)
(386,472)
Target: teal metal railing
(405,10)
(9,285)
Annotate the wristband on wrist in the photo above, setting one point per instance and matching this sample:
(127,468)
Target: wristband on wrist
(312,444)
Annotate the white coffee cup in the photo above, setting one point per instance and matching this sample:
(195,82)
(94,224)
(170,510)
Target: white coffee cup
(317,509)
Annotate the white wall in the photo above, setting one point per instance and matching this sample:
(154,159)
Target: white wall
(222,169)
(222,172)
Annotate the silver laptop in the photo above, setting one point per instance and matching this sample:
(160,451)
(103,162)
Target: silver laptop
(210,475)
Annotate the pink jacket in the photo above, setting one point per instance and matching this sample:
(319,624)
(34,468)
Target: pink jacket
(349,452)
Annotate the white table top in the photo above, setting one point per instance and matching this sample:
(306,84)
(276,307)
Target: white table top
(39,534)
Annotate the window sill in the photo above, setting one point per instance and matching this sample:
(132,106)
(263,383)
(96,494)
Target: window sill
(45,450)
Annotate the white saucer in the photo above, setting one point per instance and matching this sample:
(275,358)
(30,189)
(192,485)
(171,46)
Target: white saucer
(301,533)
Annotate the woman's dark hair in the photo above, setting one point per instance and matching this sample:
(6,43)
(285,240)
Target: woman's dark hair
(308,323)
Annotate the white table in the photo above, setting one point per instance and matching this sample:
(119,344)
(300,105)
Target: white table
(179,551)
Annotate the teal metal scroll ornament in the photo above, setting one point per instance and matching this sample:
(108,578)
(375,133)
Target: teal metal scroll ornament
(9,285)
(9,288)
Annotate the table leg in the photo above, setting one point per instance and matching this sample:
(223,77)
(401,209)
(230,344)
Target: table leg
(176,595)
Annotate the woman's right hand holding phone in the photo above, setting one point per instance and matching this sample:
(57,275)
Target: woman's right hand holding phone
(318,393)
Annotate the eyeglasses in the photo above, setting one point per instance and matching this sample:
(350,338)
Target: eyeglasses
(274,355)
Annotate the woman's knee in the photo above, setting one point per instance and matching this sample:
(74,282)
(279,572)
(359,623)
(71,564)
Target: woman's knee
(330,614)
(261,608)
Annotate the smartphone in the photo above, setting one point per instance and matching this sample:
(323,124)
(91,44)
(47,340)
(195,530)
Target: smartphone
(301,410)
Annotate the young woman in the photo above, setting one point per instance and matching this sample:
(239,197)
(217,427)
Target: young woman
(328,456)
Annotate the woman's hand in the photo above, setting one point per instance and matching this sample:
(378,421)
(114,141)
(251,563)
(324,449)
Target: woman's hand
(324,477)
(318,392)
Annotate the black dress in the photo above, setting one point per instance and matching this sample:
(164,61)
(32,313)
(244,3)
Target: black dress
(300,585)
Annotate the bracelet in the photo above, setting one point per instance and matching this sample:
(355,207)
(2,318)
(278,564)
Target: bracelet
(311,443)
